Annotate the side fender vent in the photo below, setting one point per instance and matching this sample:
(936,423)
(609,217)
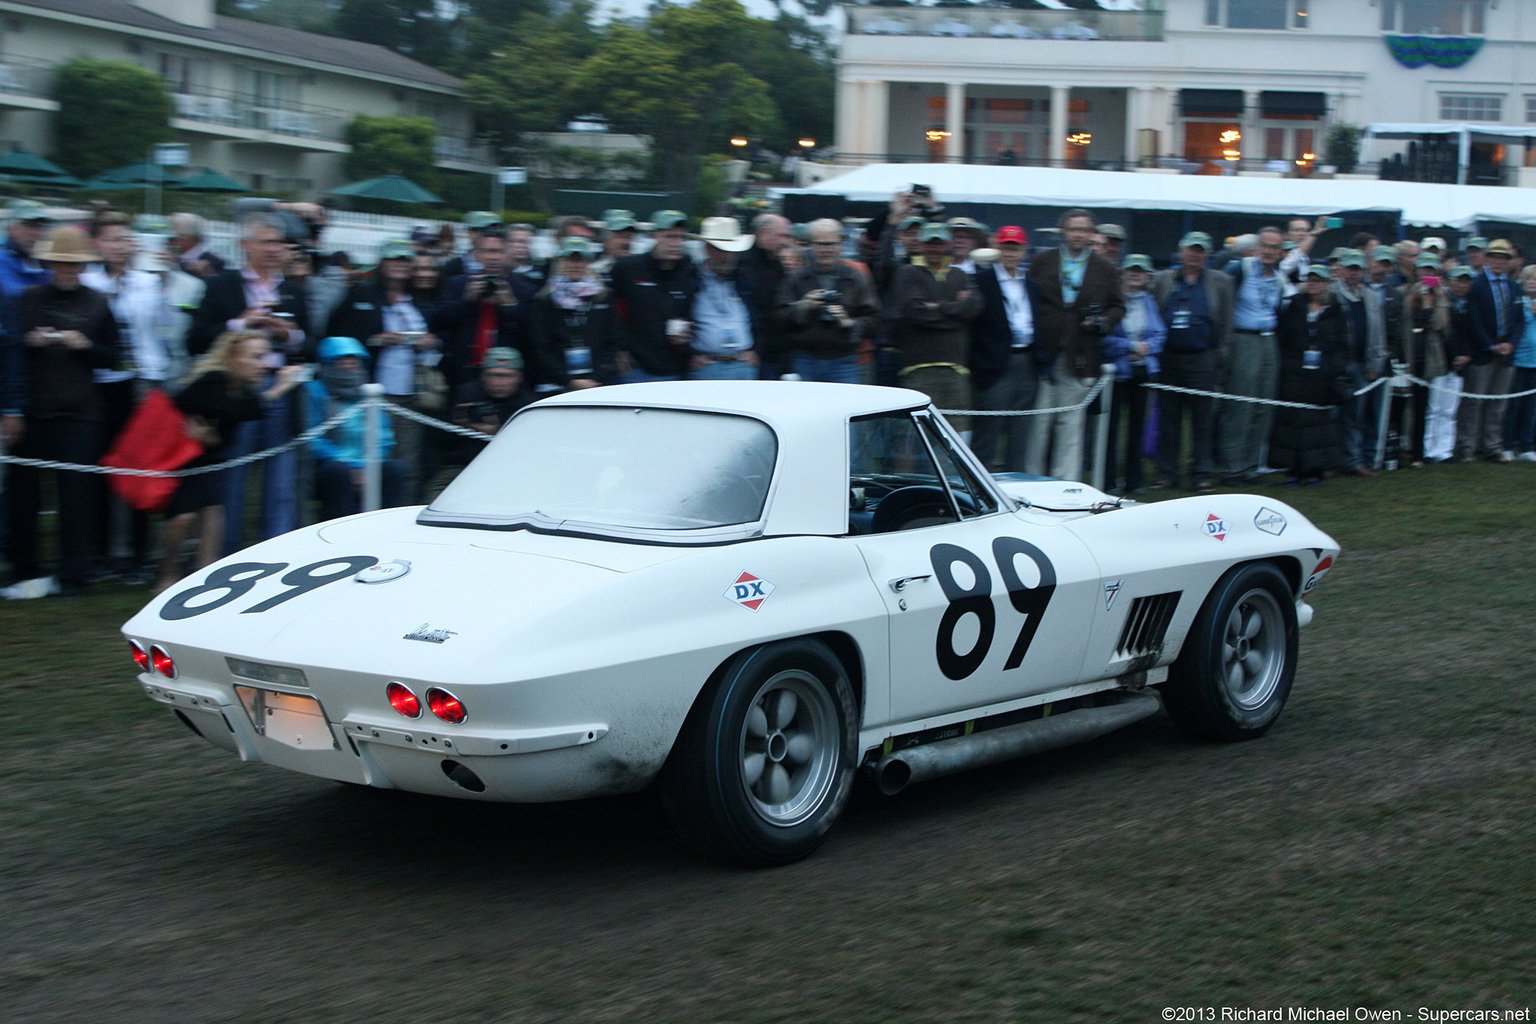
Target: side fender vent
(1146,625)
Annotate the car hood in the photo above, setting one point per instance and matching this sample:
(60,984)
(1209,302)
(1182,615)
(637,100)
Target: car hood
(1052,495)
(455,593)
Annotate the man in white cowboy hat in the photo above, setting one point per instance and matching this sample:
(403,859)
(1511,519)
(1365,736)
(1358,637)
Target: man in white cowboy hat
(722,343)
(67,331)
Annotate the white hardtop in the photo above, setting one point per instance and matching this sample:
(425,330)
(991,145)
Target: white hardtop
(770,400)
(809,419)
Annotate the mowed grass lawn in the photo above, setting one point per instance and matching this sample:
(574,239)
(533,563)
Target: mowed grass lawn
(1377,849)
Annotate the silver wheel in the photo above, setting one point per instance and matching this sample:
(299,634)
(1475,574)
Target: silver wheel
(1254,647)
(790,743)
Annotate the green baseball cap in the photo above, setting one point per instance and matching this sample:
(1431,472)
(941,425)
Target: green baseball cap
(1476,242)
(1139,261)
(502,359)
(1318,270)
(1352,258)
(1197,238)
(1460,271)
(397,249)
(1428,260)
(665,220)
(618,220)
(27,209)
(910,222)
(1383,254)
(477,219)
(933,233)
(576,246)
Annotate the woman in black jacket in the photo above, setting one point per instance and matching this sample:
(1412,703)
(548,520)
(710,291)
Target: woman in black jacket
(573,322)
(1314,358)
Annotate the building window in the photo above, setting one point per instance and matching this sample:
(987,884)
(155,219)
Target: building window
(1471,106)
(1434,17)
(1258,14)
(1530,117)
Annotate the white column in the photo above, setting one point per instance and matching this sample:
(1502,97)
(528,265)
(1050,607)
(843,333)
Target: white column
(1134,115)
(877,117)
(1252,146)
(1061,95)
(849,132)
(954,121)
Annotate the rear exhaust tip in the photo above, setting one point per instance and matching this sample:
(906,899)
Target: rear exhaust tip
(892,775)
(462,777)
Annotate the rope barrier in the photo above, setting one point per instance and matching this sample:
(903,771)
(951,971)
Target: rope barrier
(1099,385)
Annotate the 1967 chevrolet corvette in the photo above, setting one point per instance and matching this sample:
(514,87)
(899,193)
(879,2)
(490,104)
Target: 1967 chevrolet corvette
(743,593)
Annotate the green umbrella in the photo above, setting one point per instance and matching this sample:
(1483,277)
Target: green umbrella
(24,166)
(133,176)
(209,180)
(392,187)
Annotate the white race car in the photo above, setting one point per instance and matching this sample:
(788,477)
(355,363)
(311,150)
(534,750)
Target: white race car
(739,591)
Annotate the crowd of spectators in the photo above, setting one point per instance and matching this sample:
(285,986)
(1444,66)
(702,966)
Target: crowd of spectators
(257,350)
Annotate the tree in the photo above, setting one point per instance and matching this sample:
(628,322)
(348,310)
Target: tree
(411,27)
(110,114)
(678,79)
(1342,147)
(392,145)
(517,83)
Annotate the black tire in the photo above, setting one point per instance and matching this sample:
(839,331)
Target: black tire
(764,763)
(1234,674)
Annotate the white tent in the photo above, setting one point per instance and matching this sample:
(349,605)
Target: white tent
(1458,206)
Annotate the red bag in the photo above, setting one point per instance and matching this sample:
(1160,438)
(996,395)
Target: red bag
(154,438)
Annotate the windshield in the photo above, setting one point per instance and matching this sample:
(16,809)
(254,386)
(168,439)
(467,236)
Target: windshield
(623,468)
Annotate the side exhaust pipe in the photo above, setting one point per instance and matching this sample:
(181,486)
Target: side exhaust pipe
(897,770)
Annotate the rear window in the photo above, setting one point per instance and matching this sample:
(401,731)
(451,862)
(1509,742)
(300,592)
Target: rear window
(591,469)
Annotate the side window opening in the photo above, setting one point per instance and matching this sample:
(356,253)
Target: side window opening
(905,475)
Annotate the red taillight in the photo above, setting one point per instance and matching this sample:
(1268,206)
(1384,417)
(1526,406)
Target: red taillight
(162,662)
(140,655)
(445,706)
(403,700)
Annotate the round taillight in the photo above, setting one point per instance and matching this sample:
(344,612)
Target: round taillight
(162,662)
(140,655)
(445,706)
(403,700)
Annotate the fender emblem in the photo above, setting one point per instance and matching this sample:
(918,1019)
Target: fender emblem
(429,635)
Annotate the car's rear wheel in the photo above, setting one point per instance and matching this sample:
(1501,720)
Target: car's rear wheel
(764,764)
(1234,674)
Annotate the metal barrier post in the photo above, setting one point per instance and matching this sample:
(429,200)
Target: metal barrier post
(373,395)
(1384,418)
(1101,432)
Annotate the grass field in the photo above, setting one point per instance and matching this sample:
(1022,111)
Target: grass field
(1376,850)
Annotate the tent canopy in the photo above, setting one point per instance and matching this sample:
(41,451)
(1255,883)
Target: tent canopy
(392,187)
(1458,206)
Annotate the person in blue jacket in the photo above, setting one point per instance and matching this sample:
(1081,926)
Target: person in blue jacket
(1133,346)
(339,452)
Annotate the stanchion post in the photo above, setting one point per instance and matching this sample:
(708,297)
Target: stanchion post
(1384,419)
(1101,430)
(373,412)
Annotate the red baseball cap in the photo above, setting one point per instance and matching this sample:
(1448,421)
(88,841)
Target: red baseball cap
(1011,233)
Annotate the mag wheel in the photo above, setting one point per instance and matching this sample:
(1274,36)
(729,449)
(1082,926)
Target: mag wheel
(764,764)
(1232,678)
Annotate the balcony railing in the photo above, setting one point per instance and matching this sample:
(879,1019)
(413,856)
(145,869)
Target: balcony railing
(465,151)
(290,119)
(1001,23)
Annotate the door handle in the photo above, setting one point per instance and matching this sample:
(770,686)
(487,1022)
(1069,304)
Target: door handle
(900,583)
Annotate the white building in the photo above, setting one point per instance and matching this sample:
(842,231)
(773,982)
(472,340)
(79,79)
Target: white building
(1250,85)
(264,105)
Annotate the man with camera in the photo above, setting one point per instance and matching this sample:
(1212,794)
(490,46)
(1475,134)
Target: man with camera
(934,303)
(825,308)
(1196,303)
(483,310)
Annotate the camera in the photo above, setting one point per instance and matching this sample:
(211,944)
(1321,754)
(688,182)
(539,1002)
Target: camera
(829,297)
(485,412)
(1093,311)
(486,287)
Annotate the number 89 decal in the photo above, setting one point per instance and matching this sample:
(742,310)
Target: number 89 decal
(232,582)
(1029,601)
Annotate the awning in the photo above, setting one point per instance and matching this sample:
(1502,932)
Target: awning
(1211,102)
(1293,104)
(1468,134)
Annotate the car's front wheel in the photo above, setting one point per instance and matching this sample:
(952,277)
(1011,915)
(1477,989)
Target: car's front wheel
(764,764)
(1232,678)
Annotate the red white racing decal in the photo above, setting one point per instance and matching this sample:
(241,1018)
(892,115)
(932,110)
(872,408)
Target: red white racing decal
(749,591)
(1215,526)
(1318,574)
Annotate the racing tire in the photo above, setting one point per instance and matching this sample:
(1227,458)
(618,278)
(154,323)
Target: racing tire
(765,761)
(1234,674)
